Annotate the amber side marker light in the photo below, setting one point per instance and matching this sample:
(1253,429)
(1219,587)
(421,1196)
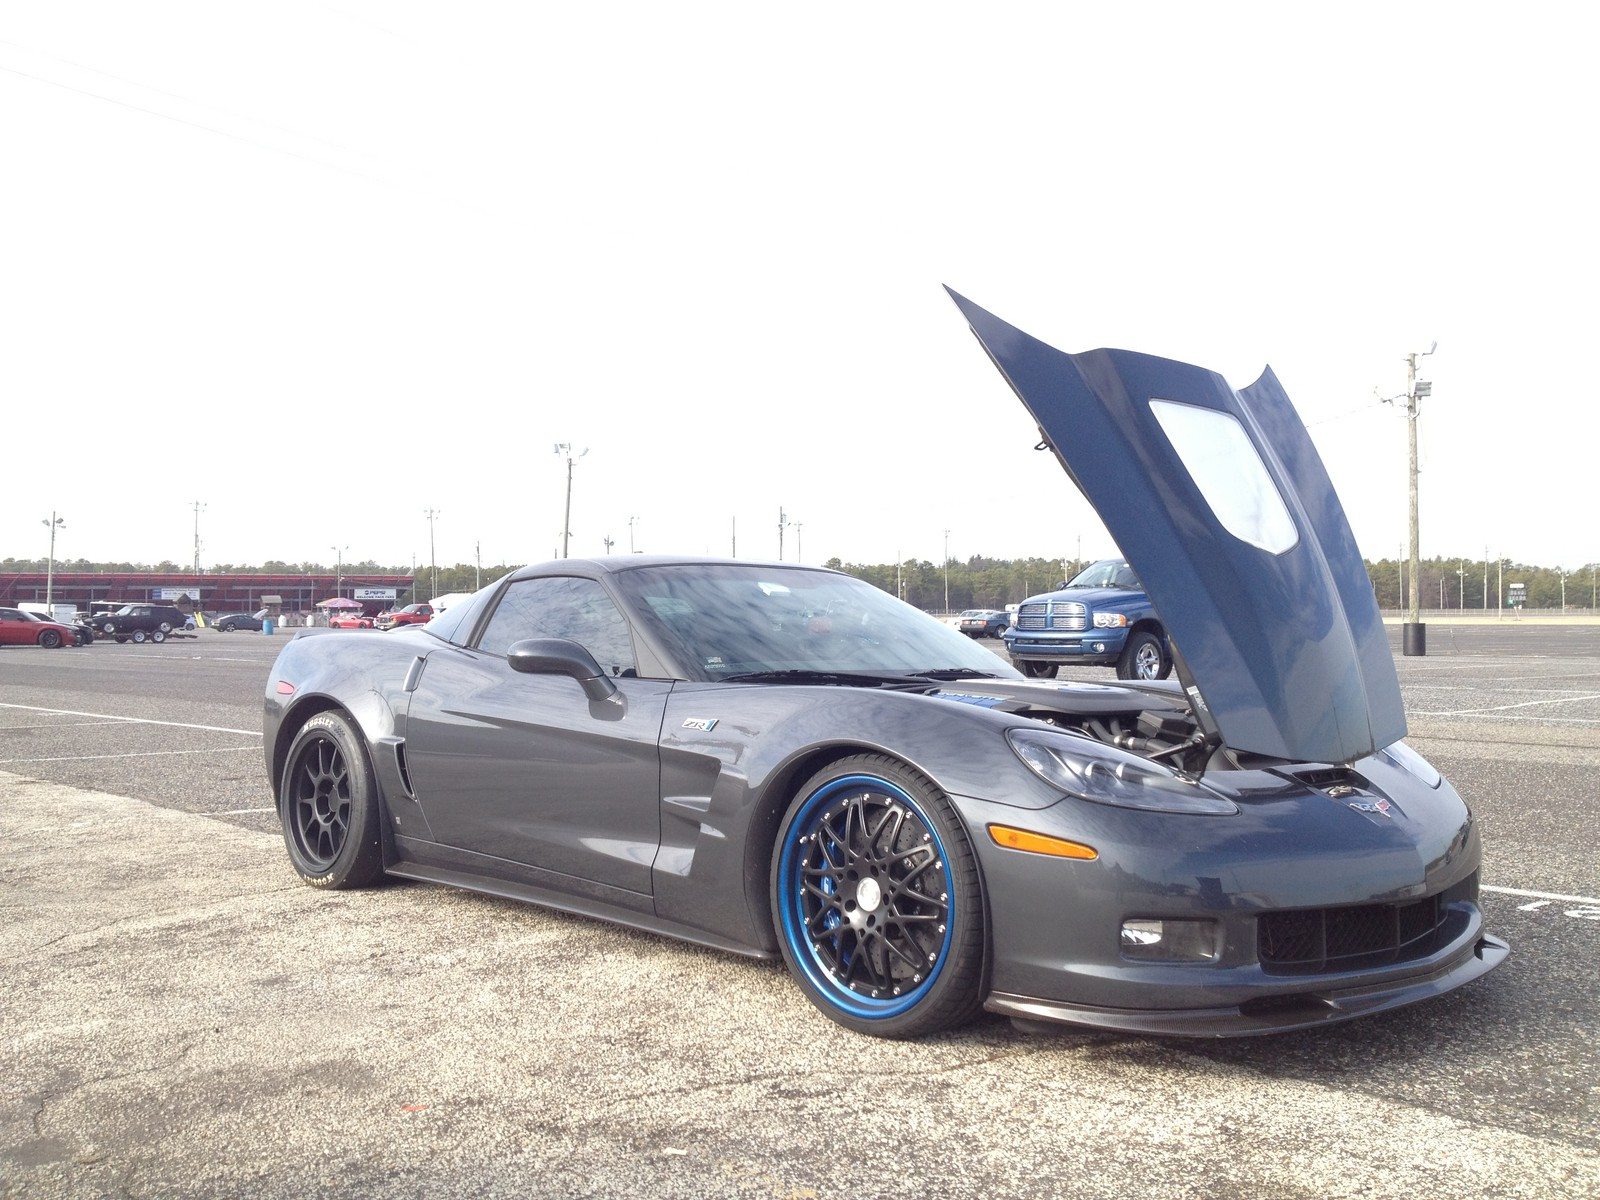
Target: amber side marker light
(1039,843)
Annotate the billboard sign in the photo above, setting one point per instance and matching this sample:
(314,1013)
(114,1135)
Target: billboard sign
(374,593)
(175,593)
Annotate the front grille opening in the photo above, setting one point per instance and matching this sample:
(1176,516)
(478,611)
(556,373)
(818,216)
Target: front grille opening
(1307,941)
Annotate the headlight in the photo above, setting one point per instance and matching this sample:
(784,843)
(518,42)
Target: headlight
(1105,620)
(1408,760)
(1090,771)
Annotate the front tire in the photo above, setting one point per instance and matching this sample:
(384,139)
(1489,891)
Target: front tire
(139,635)
(1144,657)
(876,900)
(50,639)
(1037,670)
(328,803)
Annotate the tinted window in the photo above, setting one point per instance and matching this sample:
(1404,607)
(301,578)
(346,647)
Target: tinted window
(721,620)
(562,607)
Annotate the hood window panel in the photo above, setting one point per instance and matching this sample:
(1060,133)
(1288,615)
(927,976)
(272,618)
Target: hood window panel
(1227,469)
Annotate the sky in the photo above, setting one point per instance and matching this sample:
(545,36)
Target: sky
(323,267)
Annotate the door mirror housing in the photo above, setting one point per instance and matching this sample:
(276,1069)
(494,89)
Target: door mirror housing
(559,656)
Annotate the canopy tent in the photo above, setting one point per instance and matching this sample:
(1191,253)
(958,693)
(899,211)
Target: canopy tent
(339,602)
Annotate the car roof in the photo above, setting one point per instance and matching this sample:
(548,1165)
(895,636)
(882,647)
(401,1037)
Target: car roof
(616,564)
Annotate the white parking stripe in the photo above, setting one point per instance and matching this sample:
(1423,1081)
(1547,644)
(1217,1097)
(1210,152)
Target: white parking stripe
(236,812)
(56,725)
(1505,891)
(5,762)
(1463,712)
(68,712)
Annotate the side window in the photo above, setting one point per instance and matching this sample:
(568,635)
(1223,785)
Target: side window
(562,607)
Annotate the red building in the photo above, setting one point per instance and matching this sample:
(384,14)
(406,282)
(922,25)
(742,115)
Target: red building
(212,593)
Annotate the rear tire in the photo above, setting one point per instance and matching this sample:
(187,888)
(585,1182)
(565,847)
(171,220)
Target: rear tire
(876,900)
(328,804)
(227,627)
(159,635)
(139,635)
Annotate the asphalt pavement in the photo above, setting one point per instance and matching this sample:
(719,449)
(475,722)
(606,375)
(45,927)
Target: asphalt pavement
(181,1017)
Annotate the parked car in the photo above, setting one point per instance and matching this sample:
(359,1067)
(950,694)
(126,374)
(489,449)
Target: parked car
(984,622)
(1101,618)
(350,620)
(18,628)
(138,622)
(783,761)
(411,614)
(82,633)
(228,622)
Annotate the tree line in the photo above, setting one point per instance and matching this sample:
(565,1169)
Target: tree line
(975,582)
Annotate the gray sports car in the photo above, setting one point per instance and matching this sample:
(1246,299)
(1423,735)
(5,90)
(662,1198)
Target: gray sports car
(775,760)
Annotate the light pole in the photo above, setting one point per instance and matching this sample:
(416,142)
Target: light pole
(947,572)
(608,541)
(433,561)
(197,507)
(338,569)
(783,523)
(565,448)
(55,523)
(632,521)
(477,565)
(1461,574)
(799,546)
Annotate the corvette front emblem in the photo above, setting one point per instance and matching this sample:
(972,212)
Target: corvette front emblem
(704,724)
(1371,806)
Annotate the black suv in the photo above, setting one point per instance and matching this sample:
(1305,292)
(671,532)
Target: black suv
(138,622)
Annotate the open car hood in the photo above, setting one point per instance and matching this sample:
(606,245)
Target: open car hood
(1222,506)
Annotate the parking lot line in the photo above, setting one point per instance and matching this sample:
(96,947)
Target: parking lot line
(1463,712)
(68,712)
(1505,891)
(6,762)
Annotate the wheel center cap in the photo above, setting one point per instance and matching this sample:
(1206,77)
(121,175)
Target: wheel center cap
(869,895)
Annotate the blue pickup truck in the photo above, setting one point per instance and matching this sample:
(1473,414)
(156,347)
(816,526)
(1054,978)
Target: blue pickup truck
(1101,618)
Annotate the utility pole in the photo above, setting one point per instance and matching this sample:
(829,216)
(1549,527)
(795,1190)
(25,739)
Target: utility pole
(1413,633)
(783,523)
(1400,597)
(1461,574)
(1499,587)
(197,507)
(632,521)
(947,572)
(608,541)
(338,569)
(1486,579)
(799,546)
(1563,571)
(55,523)
(433,561)
(477,565)
(566,525)
(899,582)
(733,548)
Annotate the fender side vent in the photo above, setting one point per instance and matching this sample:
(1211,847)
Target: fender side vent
(405,773)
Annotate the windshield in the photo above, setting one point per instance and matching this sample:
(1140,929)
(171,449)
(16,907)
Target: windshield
(720,620)
(1107,573)
(124,610)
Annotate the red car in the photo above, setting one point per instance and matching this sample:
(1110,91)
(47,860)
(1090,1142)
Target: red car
(411,614)
(17,628)
(350,620)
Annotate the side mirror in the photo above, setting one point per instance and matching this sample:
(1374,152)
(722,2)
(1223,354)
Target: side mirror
(558,656)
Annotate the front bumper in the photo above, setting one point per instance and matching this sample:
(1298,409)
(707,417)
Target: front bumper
(1091,646)
(1460,964)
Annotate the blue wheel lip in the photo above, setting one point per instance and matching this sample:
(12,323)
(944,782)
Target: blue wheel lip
(847,1001)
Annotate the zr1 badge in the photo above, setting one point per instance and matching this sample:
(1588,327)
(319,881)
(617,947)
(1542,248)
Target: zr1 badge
(704,724)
